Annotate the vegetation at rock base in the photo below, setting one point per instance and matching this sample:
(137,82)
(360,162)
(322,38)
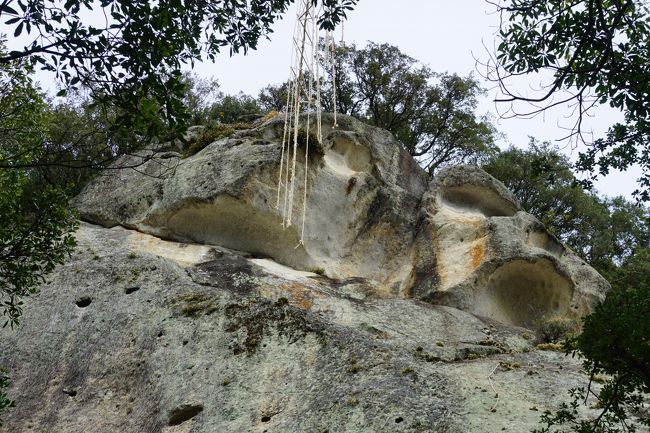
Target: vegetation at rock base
(5,402)
(615,347)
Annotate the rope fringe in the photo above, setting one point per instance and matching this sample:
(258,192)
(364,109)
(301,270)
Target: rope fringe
(303,95)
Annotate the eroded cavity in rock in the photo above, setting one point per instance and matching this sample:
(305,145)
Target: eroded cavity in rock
(522,292)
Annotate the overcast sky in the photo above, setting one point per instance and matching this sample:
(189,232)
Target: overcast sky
(447,36)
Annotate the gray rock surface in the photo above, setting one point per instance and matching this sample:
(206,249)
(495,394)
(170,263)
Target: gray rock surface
(190,309)
(362,208)
(460,239)
(137,334)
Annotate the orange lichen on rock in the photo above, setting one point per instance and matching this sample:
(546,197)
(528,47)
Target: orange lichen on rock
(298,295)
(478,253)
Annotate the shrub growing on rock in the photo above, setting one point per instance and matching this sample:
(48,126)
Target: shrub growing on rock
(5,403)
(554,329)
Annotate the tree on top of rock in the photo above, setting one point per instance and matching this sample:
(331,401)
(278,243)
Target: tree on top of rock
(432,115)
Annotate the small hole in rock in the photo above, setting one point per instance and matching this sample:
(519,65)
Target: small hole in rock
(70,392)
(83,302)
(130,290)
(184,413)
(398,420)
(160,334)
(185,342)
(266,418)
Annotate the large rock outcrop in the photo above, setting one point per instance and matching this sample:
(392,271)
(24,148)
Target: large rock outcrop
(497,261)
(363,200)
(137,334)
(188,308)
(460,239)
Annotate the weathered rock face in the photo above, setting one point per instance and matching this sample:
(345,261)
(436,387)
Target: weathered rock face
(497,261)
(363,200)
(460,239)
(137,334)
(190,309)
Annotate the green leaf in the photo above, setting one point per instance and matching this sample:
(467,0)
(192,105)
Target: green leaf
(19,29)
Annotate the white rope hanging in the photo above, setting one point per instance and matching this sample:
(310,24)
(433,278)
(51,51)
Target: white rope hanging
(303,95)
(330,49)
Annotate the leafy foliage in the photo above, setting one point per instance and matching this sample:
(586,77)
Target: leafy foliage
(432,115)
(616,338)
(198,95)
(596,51)
(234,108)
(555,329)
(210,134)
(615,342)
(133,59)
(5,402)
(273,97)
(36,228)
(207,105)
(35,221)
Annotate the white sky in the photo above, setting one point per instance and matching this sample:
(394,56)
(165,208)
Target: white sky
(446,35)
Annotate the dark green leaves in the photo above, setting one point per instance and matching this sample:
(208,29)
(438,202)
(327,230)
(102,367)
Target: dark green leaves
(142,46)
(35,220)
(604,231)
(5,402)
(615,344)
(597,50)
(432,115)
(35,235)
